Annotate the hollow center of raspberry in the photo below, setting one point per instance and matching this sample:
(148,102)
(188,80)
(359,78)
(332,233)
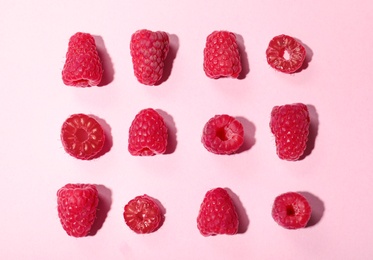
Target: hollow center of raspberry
(222,134)
(81,135)
(286,54)
(290,211)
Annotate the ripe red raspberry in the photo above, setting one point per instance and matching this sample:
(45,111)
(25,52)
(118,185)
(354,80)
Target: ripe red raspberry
(285,54)
(221,55)
(143,215)
(291,210)
(83,67)
(77,204)
(290,126)
(82,136)
(217,214)
(149,51)
(223,134)
(148,134)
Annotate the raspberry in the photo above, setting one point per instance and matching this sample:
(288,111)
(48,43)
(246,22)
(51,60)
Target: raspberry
(148,134)
(223,134)
(285,54)
(290,126)
(291,210)
(77,205)
(82,136)
(217,214)
(83,67)
(143,215)
(149,51)
(221,55)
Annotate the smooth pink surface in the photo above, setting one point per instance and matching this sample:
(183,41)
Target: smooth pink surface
(336,84)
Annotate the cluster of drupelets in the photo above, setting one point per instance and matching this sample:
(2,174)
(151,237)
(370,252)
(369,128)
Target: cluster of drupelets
(222,134)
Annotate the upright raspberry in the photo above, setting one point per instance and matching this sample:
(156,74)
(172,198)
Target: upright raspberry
(221,55)
(149,51)
(82,136)
(217,214)
(143,215)
(223,134)
(77,205)
(83,67)
(290,126)
(285,54)
(291,210)
(148,134)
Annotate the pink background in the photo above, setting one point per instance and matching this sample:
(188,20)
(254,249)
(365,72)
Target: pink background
(336,84)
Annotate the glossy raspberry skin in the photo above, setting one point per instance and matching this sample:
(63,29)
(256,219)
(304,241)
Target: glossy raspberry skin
(223,134)
(77,206)
(148,134)
(83,66)
(278,46)
(82,136)
(221,55)
(291,210)
(217,214)
(290,125)
(142,215)
(148,51)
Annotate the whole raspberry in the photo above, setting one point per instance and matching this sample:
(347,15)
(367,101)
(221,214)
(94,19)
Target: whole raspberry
(291,210)
(285,54)
(217,214)
(149,51)
(223,134)
(83,67)
(290,126)
(77,205)
(221,55)
(142,215)
(148,134)
(82,136)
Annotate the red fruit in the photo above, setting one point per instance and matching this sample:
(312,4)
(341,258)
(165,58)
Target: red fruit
(83,67)
(217,214)
(149,51)
(223,134)
(291,210)
(82,136)
(285,54)
(221,55)
(142,215)
(148,134)
(77,205)
(290,126)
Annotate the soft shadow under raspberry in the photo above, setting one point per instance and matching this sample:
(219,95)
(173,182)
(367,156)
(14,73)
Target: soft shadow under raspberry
(171,128)
(317,206)
(249,134)
(244,58)
(103,208)
(107,64)
(242,215)
(313,131)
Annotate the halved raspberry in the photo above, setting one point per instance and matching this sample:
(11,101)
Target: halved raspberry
(291,210)
(217,214)
(285,54)
(223,134)
(77,206)
(290,125)
(143,215)
(83,66)
(221,55)
(82,136)
(148,134)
